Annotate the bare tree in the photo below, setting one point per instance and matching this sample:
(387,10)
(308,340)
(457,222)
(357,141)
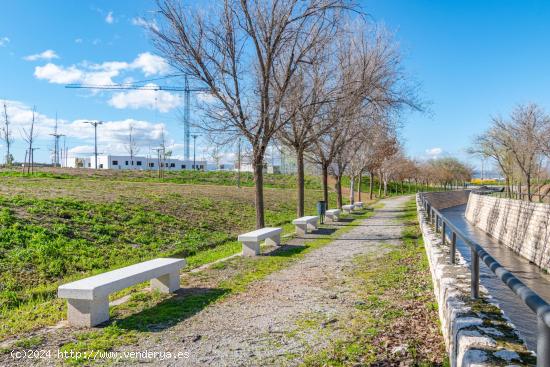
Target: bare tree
(215,154)
(489,144)
(28,136)
(311,89)
(132,146)
(6,136)
(521,137)
(246,54)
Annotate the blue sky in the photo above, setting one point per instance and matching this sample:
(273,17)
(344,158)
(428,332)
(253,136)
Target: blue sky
(473,59)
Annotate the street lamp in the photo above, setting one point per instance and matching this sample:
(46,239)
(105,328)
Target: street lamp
(94,124)
(194,136)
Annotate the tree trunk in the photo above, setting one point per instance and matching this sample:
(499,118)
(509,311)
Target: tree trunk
(339,191)
(300,181)
(380,185)
(528,183)
(352,190)
(325,184)
(385,187)
(359,188)
(371,185)
(259,191)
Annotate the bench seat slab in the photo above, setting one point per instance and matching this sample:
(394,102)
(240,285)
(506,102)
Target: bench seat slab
(251,240)
(304,224)
(88,299)
(332,215)
(347,208)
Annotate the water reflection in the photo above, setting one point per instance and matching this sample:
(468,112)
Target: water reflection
(514,308)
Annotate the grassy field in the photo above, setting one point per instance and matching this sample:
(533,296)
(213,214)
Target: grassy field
(56,227)
(226,178)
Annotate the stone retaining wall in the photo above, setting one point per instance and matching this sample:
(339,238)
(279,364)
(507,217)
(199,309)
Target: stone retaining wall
(476,332)
(520,225)
(446,199)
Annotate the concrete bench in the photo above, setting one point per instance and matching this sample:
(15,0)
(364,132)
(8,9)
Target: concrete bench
(358,204)
(251,240)
(332,215)
(348,208)
(88,299)
(304,223)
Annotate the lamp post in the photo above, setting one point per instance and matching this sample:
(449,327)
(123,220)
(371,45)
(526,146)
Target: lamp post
(194,136)
(94,124)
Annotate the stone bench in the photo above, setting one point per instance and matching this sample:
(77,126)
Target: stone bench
(358,204)
(348,208)
(251,240)
(88,299)
(304,223)
(332,215)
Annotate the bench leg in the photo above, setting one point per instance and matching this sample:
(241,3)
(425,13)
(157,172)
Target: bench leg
(332,218)
(301,229)
(82,312)
(312,226)
(167,283)
(251,248)
(273,241)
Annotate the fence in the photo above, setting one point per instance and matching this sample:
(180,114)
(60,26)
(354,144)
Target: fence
(526,294)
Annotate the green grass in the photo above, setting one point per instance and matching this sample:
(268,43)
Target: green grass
(224,178)
(394,288)
(53,231)
(148,312)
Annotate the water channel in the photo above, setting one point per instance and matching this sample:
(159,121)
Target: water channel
(519,314)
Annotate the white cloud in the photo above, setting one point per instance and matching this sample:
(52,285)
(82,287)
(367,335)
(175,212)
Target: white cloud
(45,55)
(103,73)
(4,41)
(112,135)
(205,97)
(109,18)
(150,64)
(58,74)
(141,22)
(151,99)
(20,117)
(110,132)
(434,153)
(78,40)
(81,150)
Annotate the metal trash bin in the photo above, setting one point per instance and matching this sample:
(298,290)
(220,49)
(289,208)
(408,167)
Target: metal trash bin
(321,209)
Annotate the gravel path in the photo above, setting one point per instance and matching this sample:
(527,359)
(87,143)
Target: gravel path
(259,326)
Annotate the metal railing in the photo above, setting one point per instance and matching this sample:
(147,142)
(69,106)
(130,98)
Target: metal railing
(538,305)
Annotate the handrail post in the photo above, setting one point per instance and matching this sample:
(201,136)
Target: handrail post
(474,274)
(543,343)
(443,228)
(453,248)
(436,223)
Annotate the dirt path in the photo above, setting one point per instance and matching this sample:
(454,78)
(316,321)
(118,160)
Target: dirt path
(261,325)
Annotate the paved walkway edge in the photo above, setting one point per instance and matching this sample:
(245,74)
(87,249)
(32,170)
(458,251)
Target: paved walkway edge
(476,333)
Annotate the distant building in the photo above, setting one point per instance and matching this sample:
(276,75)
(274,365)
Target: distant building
(122,162)
(220,167)
(268,168)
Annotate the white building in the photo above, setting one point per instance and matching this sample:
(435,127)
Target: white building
(122,162)
(247,167)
